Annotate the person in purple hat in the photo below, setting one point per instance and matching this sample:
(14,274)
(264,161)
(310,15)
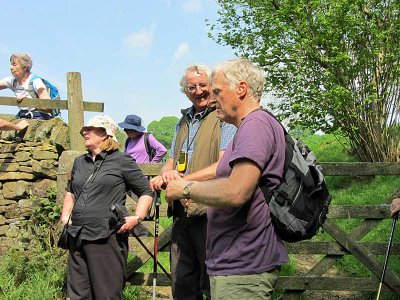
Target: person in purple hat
(135,145)
(144,148)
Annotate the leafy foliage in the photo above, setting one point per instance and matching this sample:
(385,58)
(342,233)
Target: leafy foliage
(164,130)
(333,63)
(42,227)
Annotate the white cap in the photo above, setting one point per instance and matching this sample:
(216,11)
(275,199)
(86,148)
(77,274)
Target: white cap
(103,121)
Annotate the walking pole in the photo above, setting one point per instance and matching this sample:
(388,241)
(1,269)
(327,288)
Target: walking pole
(156,223)
(395,217)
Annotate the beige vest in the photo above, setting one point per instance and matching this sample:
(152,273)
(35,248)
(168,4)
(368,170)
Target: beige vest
(206,149)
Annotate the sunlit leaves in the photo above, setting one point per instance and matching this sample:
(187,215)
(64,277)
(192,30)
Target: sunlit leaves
(334,63)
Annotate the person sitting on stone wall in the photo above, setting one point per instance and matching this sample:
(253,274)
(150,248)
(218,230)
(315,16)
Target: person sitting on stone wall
(6,125)
(19,83)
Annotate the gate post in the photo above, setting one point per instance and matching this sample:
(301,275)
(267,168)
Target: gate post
(75,110)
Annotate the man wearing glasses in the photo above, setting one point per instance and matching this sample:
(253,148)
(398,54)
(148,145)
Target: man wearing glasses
(199,142)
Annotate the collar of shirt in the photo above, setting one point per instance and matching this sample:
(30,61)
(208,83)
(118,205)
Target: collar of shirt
(191,113)
(101,155)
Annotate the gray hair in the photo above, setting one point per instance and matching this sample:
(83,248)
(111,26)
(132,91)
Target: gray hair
(24,59)
(199,68)
(242,69)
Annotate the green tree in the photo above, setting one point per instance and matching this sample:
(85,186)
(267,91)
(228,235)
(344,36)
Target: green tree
(333,63)
(164,130)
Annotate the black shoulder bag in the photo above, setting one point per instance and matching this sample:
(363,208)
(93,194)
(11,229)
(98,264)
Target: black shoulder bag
(63,241)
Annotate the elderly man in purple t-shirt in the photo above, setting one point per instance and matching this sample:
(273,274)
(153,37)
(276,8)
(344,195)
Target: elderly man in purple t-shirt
(244,252)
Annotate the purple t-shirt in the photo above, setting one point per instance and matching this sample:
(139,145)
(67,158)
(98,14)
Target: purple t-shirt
(242,240)
(137,149)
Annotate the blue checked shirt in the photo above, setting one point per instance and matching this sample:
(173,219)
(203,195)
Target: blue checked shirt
(227,133)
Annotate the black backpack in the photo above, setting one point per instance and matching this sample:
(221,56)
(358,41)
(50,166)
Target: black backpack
(299,205)
(150,151)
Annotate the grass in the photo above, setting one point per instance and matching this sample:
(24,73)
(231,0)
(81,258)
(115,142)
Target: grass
(34,274)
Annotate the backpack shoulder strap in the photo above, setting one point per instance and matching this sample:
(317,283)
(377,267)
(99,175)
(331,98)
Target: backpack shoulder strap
(14,84)
(31,87)
(127,142)
(147,145)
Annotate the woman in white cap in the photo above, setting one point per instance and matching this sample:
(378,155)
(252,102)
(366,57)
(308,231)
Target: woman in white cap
(95,200)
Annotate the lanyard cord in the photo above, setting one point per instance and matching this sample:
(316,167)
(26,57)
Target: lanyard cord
(198,128)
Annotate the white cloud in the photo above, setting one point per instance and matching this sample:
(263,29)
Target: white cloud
(182,49)
(192,5)
(140,42)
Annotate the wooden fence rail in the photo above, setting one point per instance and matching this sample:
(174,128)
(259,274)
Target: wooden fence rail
(342,243)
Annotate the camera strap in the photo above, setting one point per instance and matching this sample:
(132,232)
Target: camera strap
(90,178)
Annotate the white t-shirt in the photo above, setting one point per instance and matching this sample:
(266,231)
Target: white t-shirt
(23,90)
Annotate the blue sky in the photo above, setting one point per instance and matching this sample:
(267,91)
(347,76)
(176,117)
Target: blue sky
(130,53)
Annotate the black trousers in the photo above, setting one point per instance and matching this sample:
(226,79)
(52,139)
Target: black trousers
(189,275)
(96,269)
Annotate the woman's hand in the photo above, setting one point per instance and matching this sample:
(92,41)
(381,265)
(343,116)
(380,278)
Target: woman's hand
(64,220)
(130,223)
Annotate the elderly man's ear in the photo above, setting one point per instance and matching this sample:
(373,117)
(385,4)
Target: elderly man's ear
(242,89)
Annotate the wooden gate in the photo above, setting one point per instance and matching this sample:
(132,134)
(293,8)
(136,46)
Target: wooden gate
(317,277)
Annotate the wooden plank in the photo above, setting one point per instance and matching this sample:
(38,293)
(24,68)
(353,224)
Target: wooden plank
(49,103)
(93,106)
(151,169)
(333,248)
(360,169)
(359,211)
(330,259)
(364,228)
(163,242)
(362,254)
(327,283)
(284,282)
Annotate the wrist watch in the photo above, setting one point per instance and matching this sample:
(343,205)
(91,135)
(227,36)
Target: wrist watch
(186,190)
(139,219)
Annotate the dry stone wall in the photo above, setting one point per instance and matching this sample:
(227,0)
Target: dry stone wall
(29,161)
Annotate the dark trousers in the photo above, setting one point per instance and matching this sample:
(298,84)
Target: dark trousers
(96,269)
(188,270)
